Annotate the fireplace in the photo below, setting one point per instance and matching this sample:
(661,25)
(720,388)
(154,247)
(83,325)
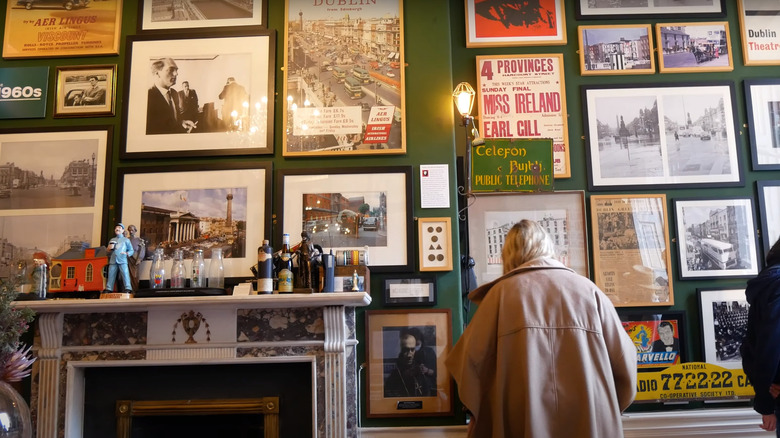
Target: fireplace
(77,339)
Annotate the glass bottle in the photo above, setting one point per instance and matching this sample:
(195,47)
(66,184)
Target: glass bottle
(198,272)
(216,269)
(157,272)
(285,276)
(178,272)
(265,269)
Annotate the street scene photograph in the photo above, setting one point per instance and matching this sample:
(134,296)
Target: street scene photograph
(700,46)
(618,48)
(348,219)
(717,237)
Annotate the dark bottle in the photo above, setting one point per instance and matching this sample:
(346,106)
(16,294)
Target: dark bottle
(265,269)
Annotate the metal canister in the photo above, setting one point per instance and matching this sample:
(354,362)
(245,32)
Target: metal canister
(351,257)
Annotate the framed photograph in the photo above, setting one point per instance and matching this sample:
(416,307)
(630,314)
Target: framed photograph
(54,190)
(199,95)
(758,21)
(419,290)
(405,352)
(610,9)
(694,47)
(625,49)
(168,15)
(724,314)
(366,208)
(762,97)
(522,96)
(344,93)
(435,243)
(719,238)
(631,256)
(769,205)
(496,24)
(202,206)
(659,337)
(47,28)
(491,215)
(661,137)
(85,91)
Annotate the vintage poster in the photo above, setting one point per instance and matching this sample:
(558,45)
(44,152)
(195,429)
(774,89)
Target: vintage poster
(495,23)
(37,28)
(656,337)
(344,78)
(759,21)
(523,96)
(512,165)
(693,381)
(630,249)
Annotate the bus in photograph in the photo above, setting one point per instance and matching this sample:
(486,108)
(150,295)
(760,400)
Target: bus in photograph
(353,87)
(339,74)
(721,254)
(361,74)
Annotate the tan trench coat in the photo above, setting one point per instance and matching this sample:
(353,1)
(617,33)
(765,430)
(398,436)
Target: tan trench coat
(545,355)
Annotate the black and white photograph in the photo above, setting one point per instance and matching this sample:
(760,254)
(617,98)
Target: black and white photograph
(199,96)
(724,314)
(716,238)
(346,219)
(762,97)
(187,14)
(619,49)
(85,91)
(694,47)
(769,205)
(661,136)
(409,361)
(604,9)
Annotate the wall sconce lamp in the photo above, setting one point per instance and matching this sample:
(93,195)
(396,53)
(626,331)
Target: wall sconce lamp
(463,96)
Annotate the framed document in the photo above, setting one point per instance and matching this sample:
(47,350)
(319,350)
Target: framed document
(410,291)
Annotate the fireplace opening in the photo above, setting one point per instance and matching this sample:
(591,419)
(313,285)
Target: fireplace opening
(291,382)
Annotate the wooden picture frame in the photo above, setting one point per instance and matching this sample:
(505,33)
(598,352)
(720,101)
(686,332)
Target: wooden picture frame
(721,341)
(502,26)
(717,238)
(758,22)
(416,290)
(762,98)
(606,10)
(659,337)
(435,243)
(344,95)
(524,96)
(156,15)
(168,204)
(97,33)
(386,392)
(625,49)
(631,260)
(631,147)
(769,212)
(76,96)
(694,47)
(225,118)
(561,213)
(339,199)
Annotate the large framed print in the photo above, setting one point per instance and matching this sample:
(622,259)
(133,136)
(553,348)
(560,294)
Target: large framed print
(167,15)
(717,238)
(758,23)
(661,137)
(344,91)
(694,47)
(631,257)
(334,207)
(53,190)
(724,314)
(491,215)
(405,351)
(496,24)
(625,49)
(207,95)
(659,337)
(47,28)
(769,204)
(202,206)
(85,91)
(762,97)
(524,96)
(610,9)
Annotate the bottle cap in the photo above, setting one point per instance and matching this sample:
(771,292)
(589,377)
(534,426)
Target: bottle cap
(265,241)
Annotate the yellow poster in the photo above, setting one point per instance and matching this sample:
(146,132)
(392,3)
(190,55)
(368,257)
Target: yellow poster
(693,381)
(43,28)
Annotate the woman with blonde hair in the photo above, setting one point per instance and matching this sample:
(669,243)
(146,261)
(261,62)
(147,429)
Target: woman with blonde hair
(545,354)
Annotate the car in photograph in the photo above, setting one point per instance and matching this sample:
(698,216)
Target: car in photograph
(370,223)
(364,106)
(66,4)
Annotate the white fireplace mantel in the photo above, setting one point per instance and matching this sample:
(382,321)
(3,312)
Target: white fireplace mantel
(72,335)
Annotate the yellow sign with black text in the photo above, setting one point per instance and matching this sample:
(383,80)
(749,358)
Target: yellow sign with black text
(693,381)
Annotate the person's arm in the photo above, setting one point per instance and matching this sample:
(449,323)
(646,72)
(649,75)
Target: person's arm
(621,350)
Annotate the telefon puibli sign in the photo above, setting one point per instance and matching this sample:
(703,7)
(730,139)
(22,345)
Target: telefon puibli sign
(512,165)
(23,92)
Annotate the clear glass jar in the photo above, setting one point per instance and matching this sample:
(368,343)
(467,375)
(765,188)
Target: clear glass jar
(178,271)
(198,272)
(216,269)
(157,272)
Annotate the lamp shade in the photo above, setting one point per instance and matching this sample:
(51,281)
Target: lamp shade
(463,96)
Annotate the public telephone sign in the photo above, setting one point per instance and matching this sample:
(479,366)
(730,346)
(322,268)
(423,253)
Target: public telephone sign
(512,165)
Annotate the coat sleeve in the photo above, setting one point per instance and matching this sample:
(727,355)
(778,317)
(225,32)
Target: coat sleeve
(766,355)
(621,350)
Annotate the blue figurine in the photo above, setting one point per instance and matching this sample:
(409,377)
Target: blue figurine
(119,250)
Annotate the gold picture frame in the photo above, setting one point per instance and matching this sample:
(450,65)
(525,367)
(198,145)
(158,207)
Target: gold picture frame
(757,19)
(76,96)
(435,243)
(693,47)
(625,49)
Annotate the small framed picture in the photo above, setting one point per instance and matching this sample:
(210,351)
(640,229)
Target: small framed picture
(435,244)
(631,10)
(658,337)
(694,47)
(410,291)
(616,50)
(724,314)
(85,91)
(758,23)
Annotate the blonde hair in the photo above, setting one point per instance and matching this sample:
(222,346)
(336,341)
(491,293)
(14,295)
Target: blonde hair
(525,241)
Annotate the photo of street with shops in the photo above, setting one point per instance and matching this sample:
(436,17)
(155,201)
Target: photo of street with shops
(716,238)
(694,46)
(344,220)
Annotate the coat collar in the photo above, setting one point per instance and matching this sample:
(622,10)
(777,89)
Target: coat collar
(478,294)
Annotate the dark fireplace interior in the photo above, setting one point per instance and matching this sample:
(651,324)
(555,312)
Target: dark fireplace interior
(291,382)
